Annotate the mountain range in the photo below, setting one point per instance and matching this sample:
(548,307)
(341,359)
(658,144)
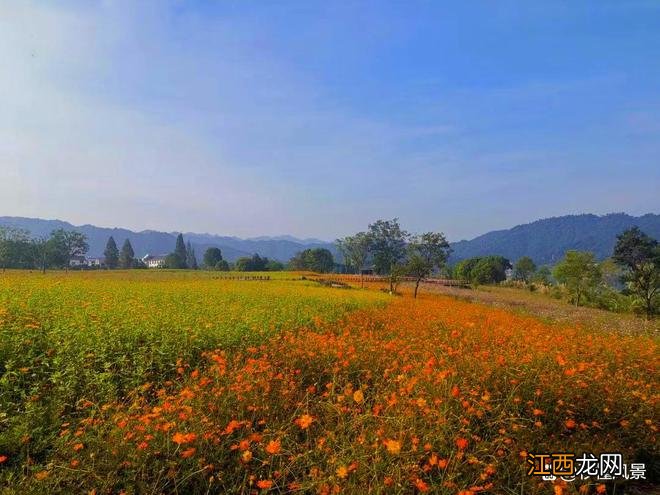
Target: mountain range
(545,241)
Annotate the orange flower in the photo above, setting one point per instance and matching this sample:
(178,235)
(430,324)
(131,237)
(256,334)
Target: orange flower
(601,488)
(3,458)
(188,453)
(358,396)
(393,446)
(246,456)
(264,484)
(273,447)
(42,475)
(461,443)
(421,485)
(304,421)
(570,424)
(181,438)
(342,472)
(455,392)
(78,446)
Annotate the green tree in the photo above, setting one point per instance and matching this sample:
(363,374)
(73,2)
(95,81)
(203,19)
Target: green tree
(127,255)
(490,270)
(463,269)
(388,246)
(222,266)
(355,250)
(524,269)
(68,244)
(318,260)
(111,254)
(212,256)
(254,263)
(579,272)
(180,252)
(542,276)
(426,253)
(274,266)
(639,255)
(173,261)
(191,259)
(14,248)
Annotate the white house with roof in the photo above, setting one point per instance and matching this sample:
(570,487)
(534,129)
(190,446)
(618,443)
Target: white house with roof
(154,261)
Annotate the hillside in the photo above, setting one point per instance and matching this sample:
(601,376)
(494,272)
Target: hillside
(546,241)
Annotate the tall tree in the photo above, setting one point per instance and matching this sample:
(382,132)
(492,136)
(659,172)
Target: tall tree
(426,253)
(639,255)
(191,259)
(388,246)
(111,254)
(180,252)
(524,268)
(127,255)
(212,256)
(355,250)
(68,244)
(579,272)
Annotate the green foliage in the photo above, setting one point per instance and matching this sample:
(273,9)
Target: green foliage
(212,256)
(222,266)
(482,270)
(639,255)
(542,276)
(580,274)
(191,258)
(426,253)
(16,249)
(111,254)
(65,245)
(127,255)
(274,266)
(318,260)
(388,244)
(254,263)
(524,269)
(355,250)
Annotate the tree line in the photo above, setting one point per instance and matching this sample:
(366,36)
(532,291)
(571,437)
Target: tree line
(394,252)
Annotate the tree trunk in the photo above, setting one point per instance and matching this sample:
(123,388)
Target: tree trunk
(417,287)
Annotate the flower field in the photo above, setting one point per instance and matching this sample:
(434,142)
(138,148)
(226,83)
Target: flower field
(182,383)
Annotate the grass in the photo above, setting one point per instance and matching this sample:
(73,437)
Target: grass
(157,382)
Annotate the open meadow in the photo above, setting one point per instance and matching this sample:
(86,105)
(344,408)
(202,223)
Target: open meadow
(185,382)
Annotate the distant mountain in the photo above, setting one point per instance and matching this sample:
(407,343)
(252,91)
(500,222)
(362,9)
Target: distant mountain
(157,243)
(546,241)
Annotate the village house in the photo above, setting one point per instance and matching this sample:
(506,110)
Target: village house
(153,261)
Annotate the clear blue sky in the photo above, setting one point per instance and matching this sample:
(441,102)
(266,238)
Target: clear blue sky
(316,118)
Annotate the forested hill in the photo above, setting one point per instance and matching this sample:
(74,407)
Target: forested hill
(546,241)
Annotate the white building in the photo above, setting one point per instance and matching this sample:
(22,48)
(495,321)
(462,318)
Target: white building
(153,261)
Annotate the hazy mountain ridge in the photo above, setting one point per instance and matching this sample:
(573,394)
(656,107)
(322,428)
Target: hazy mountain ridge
(155,242)
(545,241)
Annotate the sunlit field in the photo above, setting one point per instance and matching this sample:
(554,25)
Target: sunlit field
(159,382)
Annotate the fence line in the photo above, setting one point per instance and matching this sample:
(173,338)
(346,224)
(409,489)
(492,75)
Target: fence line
(379,278)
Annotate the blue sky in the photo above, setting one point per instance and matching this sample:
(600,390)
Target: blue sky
(316,118)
